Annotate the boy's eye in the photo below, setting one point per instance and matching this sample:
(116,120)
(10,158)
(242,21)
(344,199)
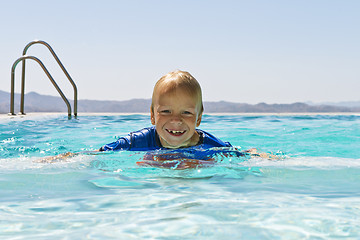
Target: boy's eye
(187,113)
(165,111)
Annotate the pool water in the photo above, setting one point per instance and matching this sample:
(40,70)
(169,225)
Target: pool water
(311,192)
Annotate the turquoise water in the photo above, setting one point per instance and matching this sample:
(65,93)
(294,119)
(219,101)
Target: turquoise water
(311,192)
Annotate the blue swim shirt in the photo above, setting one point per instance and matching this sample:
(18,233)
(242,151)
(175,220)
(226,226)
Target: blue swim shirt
(147,139)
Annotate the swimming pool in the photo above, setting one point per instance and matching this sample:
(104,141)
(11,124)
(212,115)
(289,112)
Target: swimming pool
(313,192)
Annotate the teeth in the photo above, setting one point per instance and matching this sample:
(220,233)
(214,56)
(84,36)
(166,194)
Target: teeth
(176,132)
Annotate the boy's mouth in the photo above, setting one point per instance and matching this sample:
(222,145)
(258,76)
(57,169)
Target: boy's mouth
(176,133)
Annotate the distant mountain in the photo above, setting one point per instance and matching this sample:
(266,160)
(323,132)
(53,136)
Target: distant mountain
(227,107)
(35,102)
(349,104)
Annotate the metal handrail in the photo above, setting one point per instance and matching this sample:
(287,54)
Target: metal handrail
(61,66)
(12,97)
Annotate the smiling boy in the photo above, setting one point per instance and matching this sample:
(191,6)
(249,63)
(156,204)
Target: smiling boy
(176,111)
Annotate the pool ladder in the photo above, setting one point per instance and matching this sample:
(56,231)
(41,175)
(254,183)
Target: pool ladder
(23,58)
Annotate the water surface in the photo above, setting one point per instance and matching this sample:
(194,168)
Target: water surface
(311,192)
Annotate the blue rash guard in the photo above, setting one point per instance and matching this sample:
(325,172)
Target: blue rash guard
(147,139)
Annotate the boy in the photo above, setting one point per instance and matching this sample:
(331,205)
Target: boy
(176,111)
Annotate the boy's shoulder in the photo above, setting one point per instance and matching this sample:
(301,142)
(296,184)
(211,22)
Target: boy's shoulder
(143,139)
(212,141)
(144,131)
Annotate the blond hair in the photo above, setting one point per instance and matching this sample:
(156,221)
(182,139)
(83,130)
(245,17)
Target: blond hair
(178,80)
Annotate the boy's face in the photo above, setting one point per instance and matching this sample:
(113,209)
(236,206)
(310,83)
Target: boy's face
(176,115)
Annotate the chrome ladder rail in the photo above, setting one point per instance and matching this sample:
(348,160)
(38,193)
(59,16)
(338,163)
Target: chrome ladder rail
(12,97)
(47,73)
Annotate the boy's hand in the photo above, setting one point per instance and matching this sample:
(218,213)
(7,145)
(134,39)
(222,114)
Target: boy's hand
(56,158)
(254,153)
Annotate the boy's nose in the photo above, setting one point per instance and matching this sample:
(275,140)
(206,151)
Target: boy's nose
(176,119)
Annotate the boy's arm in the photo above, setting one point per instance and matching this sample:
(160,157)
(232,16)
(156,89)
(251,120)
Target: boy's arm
(254,153)
(62,157)
(119,144)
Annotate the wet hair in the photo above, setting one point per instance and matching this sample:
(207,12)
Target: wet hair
(178,80)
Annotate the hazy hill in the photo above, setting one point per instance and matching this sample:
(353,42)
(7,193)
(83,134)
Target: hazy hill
(35,102)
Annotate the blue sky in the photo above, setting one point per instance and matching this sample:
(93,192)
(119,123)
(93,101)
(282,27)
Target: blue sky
(240,51)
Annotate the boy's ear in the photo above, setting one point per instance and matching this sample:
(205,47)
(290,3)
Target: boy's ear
(152,117)
(198,120)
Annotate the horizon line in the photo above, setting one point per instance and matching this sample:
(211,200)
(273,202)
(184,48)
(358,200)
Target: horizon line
(209,101)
